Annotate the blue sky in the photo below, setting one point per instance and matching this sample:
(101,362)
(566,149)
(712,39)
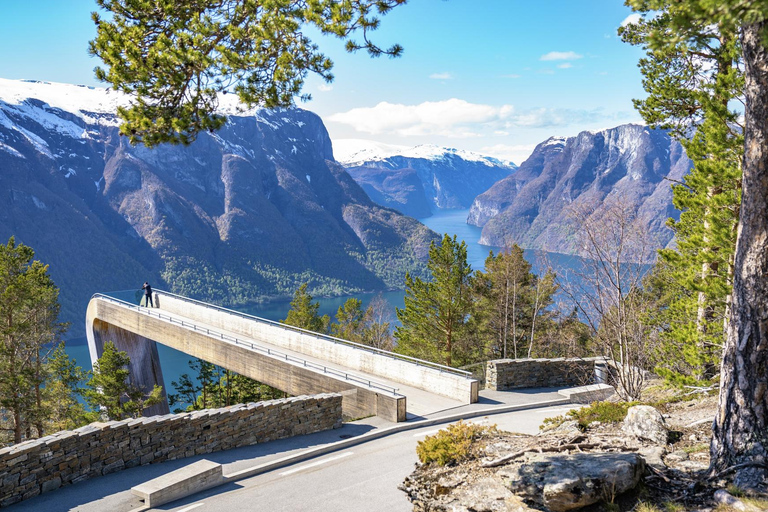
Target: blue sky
(494,76)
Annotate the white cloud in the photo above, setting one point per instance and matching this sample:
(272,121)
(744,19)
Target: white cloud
(456,118)
(632,18)
(324,87)
(449,118)
(561,56)
(512,75)
(565,65)
(441,76)
(517,153)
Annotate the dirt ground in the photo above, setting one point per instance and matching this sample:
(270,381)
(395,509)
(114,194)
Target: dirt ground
(675,479)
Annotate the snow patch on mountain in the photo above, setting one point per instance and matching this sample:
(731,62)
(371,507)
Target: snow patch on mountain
(353,152)
(38,100)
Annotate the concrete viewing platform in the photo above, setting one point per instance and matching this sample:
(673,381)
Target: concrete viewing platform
(372,381)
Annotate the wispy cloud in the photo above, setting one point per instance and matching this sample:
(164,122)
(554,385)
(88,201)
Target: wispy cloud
(632,18)
(511,75)
(561,56)
(458,118)
(441,76)
(565,65)
(324,87)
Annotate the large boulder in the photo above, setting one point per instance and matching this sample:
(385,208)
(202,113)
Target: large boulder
(562,482)
(645,422)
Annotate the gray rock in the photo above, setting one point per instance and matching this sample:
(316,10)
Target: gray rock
(489,495)
(653,456)
(645,422)
(729,500)
(565,482)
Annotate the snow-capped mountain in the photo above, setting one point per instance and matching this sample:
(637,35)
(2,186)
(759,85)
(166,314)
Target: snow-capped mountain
(246,213)
(531,207)
(416,180)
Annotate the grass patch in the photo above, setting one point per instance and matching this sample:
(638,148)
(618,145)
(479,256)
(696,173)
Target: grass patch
(671,506)
(696,448)
(602,412)
(646,507)
(451,445)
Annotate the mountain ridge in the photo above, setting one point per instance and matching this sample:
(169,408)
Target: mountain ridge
(418,180)
(631,163)
(241,215)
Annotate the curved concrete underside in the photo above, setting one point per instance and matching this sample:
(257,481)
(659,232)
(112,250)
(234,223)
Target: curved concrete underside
(297,362)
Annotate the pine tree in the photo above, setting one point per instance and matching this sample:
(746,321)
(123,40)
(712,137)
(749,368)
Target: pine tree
(436,313)
(177,57)
(304,312)
(62,390)
(110,388)
(692,75)
(349,320)
(739,445)
(28,326)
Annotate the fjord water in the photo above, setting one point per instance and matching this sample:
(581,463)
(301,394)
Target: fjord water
(452,222)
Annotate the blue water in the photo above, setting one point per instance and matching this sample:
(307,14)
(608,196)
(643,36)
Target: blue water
(453,222)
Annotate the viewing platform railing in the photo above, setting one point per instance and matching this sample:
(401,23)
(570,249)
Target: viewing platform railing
(155,312)
(420,362)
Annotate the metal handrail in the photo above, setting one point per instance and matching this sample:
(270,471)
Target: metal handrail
(253,346)
(420,362)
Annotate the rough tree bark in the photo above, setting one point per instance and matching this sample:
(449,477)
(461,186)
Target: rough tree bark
(740,430)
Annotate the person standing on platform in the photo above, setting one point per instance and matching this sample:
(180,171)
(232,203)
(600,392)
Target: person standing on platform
(148,294)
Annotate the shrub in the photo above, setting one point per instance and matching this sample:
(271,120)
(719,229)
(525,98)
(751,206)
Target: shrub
(452,444)
(603,412)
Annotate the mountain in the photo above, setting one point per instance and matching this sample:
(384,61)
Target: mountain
(417,180)
(630,162)
(241,215)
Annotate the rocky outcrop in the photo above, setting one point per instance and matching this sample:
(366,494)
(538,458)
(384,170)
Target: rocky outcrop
(645,422)
(247,213)
(630,163)
(565,482)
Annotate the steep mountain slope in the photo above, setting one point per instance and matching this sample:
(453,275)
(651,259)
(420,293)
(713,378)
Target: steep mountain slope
(240,215)
(629,162)
(420,179)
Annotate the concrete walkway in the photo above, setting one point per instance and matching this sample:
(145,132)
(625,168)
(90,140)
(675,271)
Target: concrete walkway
(419,403)
(112,492)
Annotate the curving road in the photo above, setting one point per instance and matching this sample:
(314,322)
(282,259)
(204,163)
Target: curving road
(361,478)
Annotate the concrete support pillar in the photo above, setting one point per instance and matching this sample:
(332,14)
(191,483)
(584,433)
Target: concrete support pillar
(145,370)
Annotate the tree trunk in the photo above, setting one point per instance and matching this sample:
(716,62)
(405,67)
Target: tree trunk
(740,430)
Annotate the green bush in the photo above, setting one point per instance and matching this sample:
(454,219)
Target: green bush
(602,412)
(452,444)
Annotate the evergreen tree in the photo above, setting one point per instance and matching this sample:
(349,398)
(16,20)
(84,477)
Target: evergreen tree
(692,75)
(739,445)
(109,387)
(304,312)
(177,57)
(217,387)
(28,326)
(509,299)
(62,390)
(436,312)
(349,319)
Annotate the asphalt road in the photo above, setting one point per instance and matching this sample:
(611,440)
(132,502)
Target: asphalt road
(363,478)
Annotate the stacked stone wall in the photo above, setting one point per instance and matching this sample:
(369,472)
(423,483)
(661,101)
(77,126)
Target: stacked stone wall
(504,374)
(33,467)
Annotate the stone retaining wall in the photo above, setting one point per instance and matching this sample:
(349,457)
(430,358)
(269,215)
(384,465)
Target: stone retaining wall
(502,374)
(68,457)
